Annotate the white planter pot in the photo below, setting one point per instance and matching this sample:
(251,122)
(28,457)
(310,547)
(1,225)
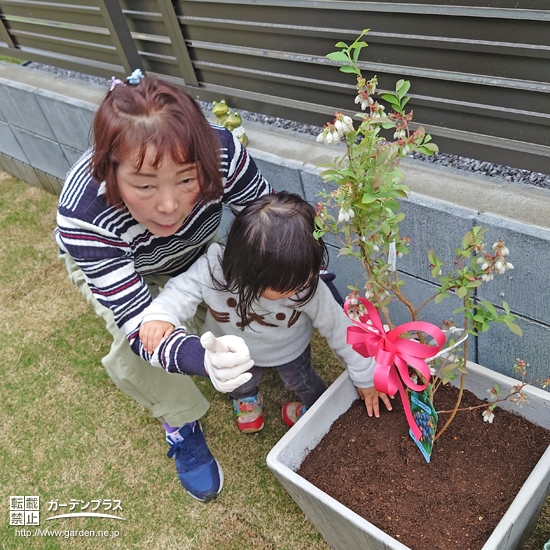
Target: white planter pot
(342,528)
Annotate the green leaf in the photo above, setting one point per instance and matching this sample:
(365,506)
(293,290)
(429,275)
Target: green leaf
(431,147)
(398,193)
(461,292)
(368,198)
(403,249)
(391,99)
(341,45)
(391,205)
(338,56)
(477,230)
(467,239)
(425,150)
(347,69)
(490,308)
(329,172)
(514,328)
(506,307)
(402,87)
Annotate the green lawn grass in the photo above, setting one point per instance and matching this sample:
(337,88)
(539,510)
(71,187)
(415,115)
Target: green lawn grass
(8,59)
(66,432)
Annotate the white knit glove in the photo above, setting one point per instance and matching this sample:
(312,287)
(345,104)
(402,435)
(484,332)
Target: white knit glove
(226,361)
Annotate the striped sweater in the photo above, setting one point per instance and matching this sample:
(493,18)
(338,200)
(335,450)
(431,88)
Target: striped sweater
(115,252)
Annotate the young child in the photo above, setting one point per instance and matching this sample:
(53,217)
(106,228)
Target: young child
(264,286)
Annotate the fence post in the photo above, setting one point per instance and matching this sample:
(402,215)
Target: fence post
(178,43)
(120,35)
(5,35)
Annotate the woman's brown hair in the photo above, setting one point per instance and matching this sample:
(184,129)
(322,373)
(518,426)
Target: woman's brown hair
(156,113)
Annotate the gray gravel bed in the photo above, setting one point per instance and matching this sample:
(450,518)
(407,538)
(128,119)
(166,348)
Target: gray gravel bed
(441,160)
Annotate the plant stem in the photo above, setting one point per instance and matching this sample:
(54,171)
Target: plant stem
(406,303)
(425,303)
(484,405)
(455,410)
(462,379)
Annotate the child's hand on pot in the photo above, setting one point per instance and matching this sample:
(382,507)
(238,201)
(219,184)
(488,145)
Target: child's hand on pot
(371,396)
(152,333)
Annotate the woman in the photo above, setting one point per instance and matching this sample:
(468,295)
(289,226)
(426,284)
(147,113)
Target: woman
(137,209)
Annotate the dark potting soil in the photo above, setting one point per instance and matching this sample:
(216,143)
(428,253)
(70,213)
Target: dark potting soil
(373,467)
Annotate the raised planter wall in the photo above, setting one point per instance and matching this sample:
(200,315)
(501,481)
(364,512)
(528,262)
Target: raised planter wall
(342,528)
(44,127)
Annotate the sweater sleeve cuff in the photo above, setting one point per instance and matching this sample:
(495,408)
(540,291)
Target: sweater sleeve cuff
(191,356)
(362,375)
(180,353)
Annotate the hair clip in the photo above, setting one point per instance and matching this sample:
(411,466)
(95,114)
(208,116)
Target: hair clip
(114,82)
(135,78)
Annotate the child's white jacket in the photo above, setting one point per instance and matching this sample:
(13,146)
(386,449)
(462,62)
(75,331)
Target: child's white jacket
(278,331)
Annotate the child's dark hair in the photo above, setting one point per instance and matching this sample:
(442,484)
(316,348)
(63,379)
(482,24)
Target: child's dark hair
(156,113)
(271,246)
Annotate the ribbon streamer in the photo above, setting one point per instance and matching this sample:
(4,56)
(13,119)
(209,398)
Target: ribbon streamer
(393,354)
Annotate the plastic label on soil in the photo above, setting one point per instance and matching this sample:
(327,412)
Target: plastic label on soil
(425,417)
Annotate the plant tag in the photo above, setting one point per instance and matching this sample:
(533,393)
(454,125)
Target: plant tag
(392,257)
(425,417)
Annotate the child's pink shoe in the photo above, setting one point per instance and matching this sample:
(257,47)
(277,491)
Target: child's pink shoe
(292,412)
(250,415)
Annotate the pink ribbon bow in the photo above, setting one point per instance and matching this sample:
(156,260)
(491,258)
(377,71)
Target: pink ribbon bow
(389,351)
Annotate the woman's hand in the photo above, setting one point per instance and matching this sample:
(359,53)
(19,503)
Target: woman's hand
(371,396)
(152,333)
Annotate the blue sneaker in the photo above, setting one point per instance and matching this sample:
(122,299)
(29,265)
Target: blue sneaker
(199,472)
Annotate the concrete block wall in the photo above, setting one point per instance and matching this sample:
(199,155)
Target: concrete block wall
(44,127)
(433,223)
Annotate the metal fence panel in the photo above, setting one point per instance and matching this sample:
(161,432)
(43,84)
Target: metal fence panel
(479,71)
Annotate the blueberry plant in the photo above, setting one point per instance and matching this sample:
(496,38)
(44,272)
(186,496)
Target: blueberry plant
(362,212)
